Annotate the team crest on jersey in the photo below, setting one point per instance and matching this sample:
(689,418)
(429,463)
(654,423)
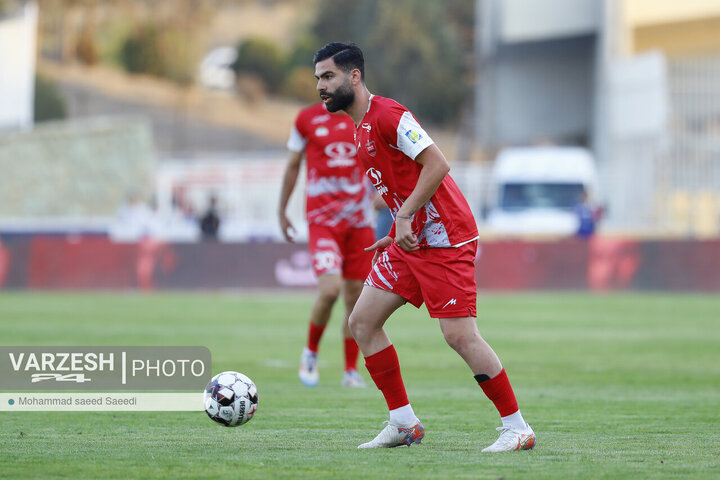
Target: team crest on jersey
(370,147)
(413,136)
(321,132)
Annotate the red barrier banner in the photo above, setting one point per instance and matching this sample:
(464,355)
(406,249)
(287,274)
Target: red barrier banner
(600,264)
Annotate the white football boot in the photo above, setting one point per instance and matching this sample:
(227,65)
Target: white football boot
(308,372)
(352,378)
(395,436)
(511,440)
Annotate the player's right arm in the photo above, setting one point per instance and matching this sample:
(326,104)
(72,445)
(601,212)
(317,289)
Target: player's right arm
(292,169)
(296,145)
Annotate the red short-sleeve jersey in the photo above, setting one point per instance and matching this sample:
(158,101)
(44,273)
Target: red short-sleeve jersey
(337,191)
(388,139)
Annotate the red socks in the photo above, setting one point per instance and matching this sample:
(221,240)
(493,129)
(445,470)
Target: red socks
(314,335)
(352,350)
(384,369)
(499,391)
(351,354)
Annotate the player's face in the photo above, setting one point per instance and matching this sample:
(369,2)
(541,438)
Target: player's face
(334,86)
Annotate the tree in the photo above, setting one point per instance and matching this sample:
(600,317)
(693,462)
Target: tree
(49,102)
(416,51)
(261,57)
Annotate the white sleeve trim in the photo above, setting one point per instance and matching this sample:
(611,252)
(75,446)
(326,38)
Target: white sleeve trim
(411,138)
(296,142)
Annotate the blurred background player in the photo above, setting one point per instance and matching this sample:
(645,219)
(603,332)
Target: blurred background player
(428,256)
(340,218)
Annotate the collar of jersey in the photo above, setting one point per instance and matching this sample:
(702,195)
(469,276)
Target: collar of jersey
(368,109)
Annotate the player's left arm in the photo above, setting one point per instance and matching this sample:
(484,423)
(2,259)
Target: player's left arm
(434,168)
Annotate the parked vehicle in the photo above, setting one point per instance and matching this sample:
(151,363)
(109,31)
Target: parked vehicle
(535,190)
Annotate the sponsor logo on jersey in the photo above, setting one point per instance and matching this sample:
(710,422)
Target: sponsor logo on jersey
(366,126)
(375,176)
(328,244)
(340,154)
(320,119)
(376,179)
(340,162)
(370,147)
(329,184)
(413,136)
(321,132)
(341,126)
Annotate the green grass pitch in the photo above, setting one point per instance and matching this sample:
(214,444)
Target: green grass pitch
(615,386)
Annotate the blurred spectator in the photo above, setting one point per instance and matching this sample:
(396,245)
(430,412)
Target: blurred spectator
(180,208)
(135,220)
(587,215)
(210,221)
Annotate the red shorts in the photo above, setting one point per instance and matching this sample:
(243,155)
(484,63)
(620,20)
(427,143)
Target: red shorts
(443,278)
(341,251)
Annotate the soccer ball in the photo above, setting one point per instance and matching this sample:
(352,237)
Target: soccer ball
(230,399)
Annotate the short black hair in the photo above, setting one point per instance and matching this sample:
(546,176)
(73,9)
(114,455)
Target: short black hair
(347,56)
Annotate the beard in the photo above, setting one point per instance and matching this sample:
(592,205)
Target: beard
(341,98)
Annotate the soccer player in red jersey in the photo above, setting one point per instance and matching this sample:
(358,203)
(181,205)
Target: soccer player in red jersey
(340,216)
(427,257)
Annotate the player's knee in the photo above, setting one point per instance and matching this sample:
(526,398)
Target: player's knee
(328,297)
(351,291)
(358,328)
(350,300)
(329,293)
(352,323)
(457,340)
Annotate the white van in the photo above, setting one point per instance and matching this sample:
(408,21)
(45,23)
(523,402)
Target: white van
(534,190)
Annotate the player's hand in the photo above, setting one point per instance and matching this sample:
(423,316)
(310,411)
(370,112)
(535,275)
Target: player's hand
(404,236)
(378,247)
(287,228)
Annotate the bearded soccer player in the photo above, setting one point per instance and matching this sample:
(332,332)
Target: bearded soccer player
(427,257)
(340,217)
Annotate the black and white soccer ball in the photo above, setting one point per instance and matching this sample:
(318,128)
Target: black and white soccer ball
(230,399)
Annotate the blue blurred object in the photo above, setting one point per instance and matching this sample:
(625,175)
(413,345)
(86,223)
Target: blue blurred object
(384,223)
